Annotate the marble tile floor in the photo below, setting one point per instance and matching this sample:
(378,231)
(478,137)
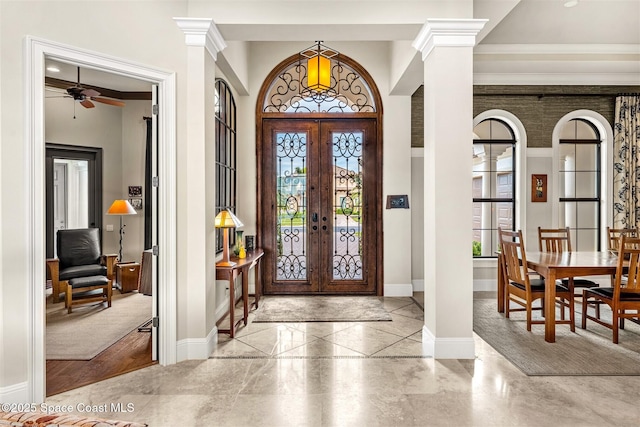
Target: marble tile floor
(355,374)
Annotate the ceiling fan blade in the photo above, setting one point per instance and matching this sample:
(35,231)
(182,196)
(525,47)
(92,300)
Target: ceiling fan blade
(90,92)
(109,101)
(86,103)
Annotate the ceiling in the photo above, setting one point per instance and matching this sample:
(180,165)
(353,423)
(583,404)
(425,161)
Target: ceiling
(531,27)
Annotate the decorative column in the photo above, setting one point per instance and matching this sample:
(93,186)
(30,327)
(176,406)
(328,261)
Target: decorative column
(196,195)
(447,51)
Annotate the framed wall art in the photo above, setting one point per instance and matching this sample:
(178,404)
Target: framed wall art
(135,191)
(538,188)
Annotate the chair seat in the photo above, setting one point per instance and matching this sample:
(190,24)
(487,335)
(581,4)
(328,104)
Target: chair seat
(537,285)
(608,293)
(82,270)
(581,283)
(84,282)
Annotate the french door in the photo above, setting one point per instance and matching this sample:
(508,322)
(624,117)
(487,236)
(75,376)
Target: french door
(319,217)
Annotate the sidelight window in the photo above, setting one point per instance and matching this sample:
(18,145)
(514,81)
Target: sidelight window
(225,110)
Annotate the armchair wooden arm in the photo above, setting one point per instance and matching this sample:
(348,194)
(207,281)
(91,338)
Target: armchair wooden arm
(53,265)
(110,261)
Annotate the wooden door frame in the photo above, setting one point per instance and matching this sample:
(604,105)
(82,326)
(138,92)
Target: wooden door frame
(75,152)
(377,115)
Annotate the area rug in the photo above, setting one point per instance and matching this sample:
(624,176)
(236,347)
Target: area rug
(38,419)
(321,309)
(586,352)
(91,328)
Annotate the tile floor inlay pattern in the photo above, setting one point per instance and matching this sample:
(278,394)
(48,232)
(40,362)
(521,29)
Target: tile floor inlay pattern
(401,337)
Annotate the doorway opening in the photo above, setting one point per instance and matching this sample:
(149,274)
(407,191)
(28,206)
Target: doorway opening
(164,263)
(320,182)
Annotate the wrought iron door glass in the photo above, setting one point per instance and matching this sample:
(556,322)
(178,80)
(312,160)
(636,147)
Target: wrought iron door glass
(291,211)
(347,210)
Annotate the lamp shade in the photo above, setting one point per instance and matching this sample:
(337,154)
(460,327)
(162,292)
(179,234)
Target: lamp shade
(226,219)
(319,69)
(121,207)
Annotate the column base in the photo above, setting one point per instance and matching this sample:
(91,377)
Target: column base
(447,348)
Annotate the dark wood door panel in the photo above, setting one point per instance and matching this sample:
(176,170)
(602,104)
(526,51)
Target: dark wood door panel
(319,223)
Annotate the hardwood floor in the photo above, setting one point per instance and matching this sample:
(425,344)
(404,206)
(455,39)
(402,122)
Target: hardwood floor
(129,354)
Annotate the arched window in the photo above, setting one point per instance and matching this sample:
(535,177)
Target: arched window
(494,184)
(225,109)
(579,183)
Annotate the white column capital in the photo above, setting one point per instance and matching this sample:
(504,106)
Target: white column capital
(202,32)
(447,32)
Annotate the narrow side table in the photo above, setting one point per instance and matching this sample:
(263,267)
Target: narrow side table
(231,273)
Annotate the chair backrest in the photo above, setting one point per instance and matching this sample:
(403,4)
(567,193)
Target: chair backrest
(554,239)
(628,265)
(79,246)
(614,234)
(515,259)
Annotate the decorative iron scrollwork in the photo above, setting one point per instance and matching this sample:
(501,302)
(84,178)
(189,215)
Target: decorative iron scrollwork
(348,92)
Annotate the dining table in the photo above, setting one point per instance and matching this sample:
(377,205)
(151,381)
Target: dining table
(559,265)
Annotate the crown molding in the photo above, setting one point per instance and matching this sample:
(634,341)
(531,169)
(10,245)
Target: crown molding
(603,79)
(202,32)
(557,49)
(447,32)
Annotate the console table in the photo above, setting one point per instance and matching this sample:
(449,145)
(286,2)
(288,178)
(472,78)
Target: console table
(231,273)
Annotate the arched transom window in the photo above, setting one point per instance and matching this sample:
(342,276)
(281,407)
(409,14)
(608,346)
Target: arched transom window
(348,91)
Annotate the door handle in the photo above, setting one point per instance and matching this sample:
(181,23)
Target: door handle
(314,217)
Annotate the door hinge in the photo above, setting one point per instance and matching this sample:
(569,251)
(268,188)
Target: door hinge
(155,181)
(155,250)
(154,109)
(155,322)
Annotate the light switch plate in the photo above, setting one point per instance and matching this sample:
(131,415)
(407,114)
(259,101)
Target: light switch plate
(109,227)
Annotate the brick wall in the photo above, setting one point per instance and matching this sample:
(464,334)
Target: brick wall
(538,107)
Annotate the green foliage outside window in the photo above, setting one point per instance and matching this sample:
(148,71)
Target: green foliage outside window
(477,248)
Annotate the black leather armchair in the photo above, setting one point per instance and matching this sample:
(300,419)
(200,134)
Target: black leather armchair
(80,267)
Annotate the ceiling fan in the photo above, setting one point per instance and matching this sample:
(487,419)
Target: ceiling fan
(85,96)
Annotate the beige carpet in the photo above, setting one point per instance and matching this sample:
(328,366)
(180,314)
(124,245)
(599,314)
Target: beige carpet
(91,328)
(585,352)
(321,309)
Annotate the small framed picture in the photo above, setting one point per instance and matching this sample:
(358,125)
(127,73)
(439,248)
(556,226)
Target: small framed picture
(538,188)
(135,191)
(136,202)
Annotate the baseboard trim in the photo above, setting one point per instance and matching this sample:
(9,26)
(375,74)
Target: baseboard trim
(447,348)
(418,285)
(197,348)
(16,393)
(398,290)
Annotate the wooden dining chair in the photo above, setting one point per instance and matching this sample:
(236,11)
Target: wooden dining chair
(559,240)
(623,296)
(613,237)
(523,289)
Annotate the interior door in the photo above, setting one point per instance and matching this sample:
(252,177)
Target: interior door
(73,189)
(59,199)
(319,222)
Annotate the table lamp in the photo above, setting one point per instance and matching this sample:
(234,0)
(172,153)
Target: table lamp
(121,207)
(226,220)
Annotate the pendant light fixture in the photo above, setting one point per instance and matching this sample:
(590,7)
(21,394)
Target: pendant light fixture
(318,59)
